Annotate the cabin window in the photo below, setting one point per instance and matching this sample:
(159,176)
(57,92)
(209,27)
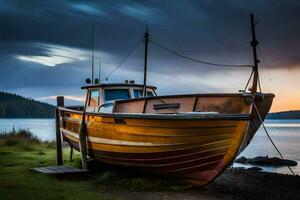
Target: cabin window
(94,98)
(113,94)
(139,93)
(149,94)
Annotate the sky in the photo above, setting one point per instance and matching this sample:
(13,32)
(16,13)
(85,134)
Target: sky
(46,46)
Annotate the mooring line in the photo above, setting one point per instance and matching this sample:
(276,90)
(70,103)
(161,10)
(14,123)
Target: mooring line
(260,118)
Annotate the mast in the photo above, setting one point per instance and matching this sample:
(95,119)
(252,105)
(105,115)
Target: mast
(254,43)
(146,37)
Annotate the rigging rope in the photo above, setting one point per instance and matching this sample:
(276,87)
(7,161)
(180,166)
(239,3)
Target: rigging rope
(124,60)
(255,107)
(264,63)
(245,90)
(259,86)
(196,60)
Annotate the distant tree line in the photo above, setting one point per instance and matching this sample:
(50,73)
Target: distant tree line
(293,114)
(16,106)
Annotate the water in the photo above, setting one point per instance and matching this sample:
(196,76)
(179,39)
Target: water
(285,133)
(42,128)
(286,136)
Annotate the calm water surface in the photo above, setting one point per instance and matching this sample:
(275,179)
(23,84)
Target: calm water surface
(42,128)
(285,133)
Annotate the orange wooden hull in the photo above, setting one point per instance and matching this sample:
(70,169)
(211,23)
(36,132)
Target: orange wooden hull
(196,149)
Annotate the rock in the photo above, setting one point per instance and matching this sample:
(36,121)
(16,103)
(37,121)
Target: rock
(236,168)
(284,162)
(242,160)
(260,160)
(256,169)
(265,160)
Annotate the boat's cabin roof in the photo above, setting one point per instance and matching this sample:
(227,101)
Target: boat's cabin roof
(102,85)
(100,97)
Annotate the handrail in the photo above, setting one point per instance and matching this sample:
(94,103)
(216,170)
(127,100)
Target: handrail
(178,116)
(193,95)
(70,110)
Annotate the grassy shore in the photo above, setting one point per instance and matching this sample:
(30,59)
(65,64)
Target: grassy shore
(20,151)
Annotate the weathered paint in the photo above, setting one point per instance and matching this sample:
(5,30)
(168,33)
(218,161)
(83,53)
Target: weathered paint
(196,149)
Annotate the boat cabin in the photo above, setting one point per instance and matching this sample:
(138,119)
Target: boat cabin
(128,98)
(101,97)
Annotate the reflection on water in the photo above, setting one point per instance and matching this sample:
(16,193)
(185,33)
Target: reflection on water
(285,133)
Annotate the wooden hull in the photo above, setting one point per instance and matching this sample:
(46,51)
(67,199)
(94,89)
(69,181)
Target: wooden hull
(195,149)
(263,106)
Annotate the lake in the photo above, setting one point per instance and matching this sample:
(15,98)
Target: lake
(42,128)
(285,133)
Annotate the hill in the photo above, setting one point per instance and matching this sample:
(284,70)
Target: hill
(293,114)
(15,106)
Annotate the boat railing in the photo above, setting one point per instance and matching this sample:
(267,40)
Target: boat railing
(79,108)
(235,103)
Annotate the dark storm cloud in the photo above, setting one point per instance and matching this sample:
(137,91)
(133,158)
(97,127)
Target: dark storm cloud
(216,31)
(195,27)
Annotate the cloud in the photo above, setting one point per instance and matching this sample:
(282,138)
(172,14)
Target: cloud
(88,8)
(141,12)
(55,55)
(68,97)
(43,60)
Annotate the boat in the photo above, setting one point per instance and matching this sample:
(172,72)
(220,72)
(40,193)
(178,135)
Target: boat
(192,137)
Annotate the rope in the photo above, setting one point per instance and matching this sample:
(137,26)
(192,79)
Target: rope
(259,86)
(264,63)
(245,90)
(270,136)
(196,60)
(124,60)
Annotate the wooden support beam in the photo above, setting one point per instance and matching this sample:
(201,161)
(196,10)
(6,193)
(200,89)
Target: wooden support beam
(83,142)
(71,153)
(60,101)
(83,137)
(59,155)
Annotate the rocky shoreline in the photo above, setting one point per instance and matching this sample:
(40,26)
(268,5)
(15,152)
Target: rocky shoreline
(234,184)
(266,161)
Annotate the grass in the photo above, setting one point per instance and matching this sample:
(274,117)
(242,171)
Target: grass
(20,151)
(137,182)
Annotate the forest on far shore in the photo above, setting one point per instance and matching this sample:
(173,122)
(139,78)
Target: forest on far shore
(16,106)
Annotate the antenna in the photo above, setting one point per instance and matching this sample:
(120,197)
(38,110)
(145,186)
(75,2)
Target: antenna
(146,37)
(254,43)
(99,70)
(93,52)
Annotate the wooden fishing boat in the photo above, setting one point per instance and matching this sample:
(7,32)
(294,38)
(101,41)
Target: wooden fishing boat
(193,137)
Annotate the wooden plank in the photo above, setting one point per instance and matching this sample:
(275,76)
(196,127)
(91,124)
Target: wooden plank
(58,170)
